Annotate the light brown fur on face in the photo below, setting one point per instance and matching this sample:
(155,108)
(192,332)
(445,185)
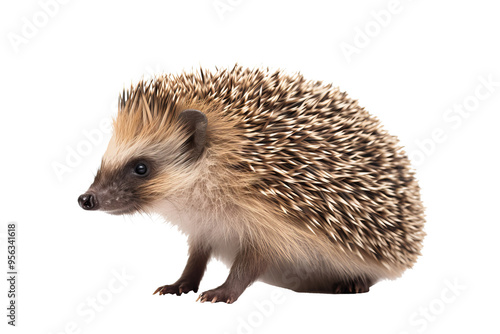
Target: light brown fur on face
(293,183)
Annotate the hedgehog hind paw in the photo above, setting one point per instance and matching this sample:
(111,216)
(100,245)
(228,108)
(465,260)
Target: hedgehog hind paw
(352,286)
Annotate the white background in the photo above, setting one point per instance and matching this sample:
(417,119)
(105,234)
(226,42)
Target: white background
(62,78)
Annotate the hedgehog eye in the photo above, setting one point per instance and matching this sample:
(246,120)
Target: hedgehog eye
(141,169)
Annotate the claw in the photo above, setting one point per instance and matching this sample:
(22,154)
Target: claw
(158,290)
(214,299)
(199,296)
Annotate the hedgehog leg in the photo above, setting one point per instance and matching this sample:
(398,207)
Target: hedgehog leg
(247,267)
(192,274)
(353,285)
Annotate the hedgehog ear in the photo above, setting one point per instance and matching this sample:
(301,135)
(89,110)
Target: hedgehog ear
(196,124)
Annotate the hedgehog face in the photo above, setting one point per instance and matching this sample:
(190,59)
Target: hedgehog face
(121,189)
(140,168)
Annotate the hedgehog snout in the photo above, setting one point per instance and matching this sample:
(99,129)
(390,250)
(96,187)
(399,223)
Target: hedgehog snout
(88,201)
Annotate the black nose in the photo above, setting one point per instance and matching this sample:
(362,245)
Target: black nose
(87,201)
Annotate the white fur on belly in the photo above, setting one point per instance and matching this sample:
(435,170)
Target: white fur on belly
(309,268)
(201,227)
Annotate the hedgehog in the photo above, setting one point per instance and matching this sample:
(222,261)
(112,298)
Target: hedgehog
(287,181)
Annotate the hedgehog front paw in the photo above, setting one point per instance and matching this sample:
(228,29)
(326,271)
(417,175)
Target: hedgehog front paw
(177,288)
(220,294)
